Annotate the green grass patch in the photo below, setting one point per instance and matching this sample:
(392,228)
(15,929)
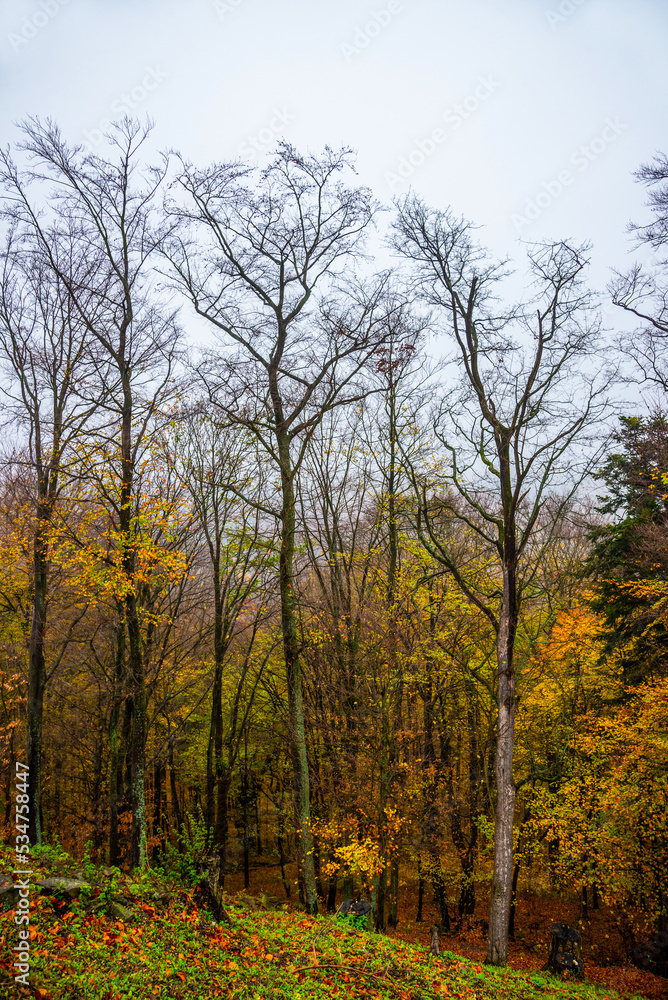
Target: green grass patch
(177,952)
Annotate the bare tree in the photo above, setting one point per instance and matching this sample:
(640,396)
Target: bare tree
(107,212)
(250,262)
(44,351)
(643,291)
(513,431)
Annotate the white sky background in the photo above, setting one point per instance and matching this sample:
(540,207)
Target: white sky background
(223,73)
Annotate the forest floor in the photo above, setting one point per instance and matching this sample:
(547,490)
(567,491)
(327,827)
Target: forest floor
(607,937)
(169,949)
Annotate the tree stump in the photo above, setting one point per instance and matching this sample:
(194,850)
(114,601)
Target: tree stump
(435,948)
(356,908)
(652,955)
(565,954)
(208,891)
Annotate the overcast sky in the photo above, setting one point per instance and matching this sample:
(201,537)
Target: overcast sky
(528,116)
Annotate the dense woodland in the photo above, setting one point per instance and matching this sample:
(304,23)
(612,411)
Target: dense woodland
(307,561)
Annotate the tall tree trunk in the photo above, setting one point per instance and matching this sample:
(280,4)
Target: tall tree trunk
(395,678)
(244,824)
(380,880)
(115,758)
(513,901)
(214,757)
(331,894)
(138,749)
(281,852)
(158,768)
(393,895)
(300,771)
(37,674)
(499,908)
(418,915)
(258,819)
(220,831)
(11,757)
(97,792)
(175,797)
(135,654)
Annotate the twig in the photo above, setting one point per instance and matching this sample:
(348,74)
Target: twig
(320,930)
(377,977)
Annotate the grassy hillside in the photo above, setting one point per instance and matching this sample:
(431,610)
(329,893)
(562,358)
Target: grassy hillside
(169,949)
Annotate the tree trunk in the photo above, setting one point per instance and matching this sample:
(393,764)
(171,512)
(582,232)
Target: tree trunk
(214,758)
(393,897)
(37,677)
(499,908)
(281,852)
(157,810)
(97,792)
(135,654)
(418,915)
(380,880)
(300,770)
(438,882)
(175,797)
(138,748)
(331,894)
(115,759)
(394,664)
(513,902)
(11,757)
(220,832)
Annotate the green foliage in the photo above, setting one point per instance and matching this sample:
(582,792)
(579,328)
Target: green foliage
(350,920)
(52,855)
(88,866)
(184,862)
(110,886)
(636,498)
(632,548)
(175,954)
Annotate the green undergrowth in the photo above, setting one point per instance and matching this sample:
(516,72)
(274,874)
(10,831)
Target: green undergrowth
(180,953)
(172,950)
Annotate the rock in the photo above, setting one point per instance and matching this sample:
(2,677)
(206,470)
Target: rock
(270,902)
(9,894)
(652,955)
(354,908)
(119,912)
(123,900)
(68,887)
(248,901)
